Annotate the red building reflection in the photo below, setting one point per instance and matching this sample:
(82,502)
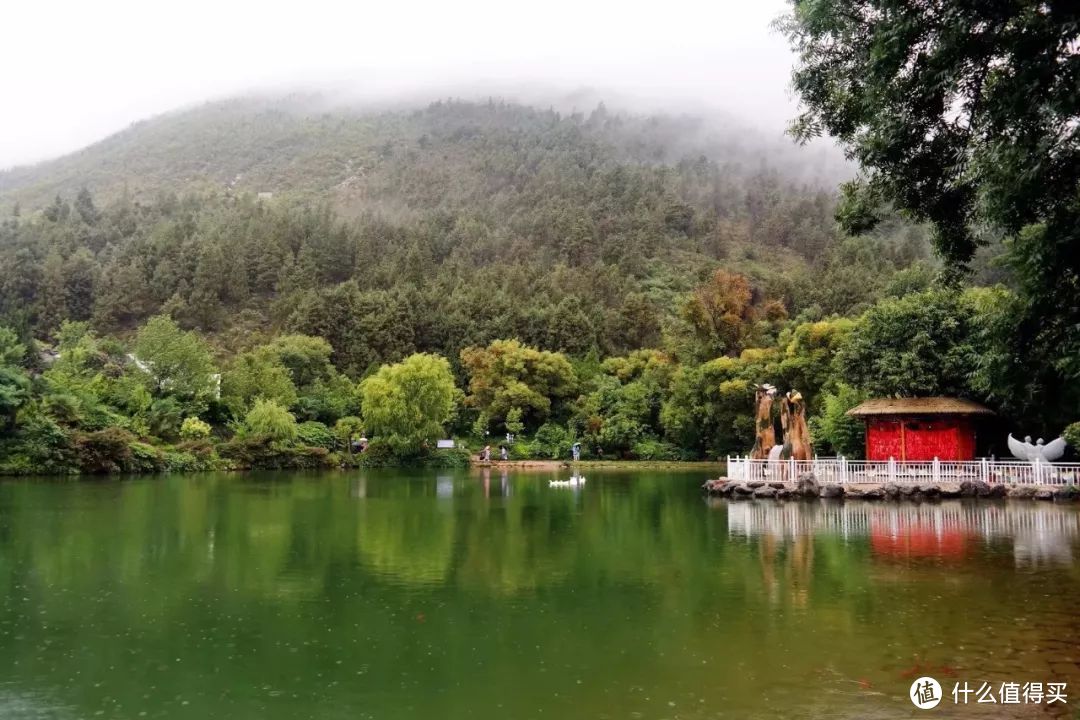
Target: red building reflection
(919,541)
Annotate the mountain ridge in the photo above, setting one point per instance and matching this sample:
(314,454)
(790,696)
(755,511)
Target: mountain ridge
(280,144)
(433,229)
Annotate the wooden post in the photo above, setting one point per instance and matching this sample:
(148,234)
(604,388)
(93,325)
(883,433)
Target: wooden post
(936,471)
(843,469)
(984,468)
(892,469)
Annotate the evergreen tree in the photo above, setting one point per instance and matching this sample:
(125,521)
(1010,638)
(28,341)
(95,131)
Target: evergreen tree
(84,206)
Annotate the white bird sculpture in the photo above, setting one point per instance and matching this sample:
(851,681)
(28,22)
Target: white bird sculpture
(1038,452)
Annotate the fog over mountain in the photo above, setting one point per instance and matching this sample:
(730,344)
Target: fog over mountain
(137,60)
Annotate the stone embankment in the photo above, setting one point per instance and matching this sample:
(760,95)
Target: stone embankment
(807,486)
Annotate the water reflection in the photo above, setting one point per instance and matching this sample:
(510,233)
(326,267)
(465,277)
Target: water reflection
(444,486)
(358,487)
(493,594)
(499,487)
(1041,533)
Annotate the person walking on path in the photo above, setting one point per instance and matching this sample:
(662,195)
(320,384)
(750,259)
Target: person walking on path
(576,449)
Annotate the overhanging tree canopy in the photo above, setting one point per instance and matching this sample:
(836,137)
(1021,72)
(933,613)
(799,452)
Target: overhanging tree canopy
(965,114)
(959,112)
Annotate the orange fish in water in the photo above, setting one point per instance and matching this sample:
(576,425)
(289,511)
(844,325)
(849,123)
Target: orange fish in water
(912,671)
(420,617)
(863,683)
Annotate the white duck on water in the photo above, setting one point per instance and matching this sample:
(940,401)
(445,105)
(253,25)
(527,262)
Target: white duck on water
(575,480)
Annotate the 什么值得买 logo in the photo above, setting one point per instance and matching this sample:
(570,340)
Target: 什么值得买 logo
(925,693)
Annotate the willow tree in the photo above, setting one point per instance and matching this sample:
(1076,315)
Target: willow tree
(966,116)
(409,403)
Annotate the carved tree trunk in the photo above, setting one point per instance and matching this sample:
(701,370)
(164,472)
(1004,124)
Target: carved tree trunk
(796,433)
(763,423)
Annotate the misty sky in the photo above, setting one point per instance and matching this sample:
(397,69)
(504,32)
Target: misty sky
(82,70)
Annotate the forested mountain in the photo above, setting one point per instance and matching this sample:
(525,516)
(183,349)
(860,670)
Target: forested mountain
(614,278)
(313,146)
(426,229)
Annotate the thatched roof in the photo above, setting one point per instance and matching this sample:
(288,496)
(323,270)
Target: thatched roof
(918,406)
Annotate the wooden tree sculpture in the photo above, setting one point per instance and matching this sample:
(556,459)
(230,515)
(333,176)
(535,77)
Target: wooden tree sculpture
(796,433)
(764,395)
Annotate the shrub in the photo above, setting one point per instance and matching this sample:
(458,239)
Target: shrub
(451,458)
(650,449)
(315,434)
(260,453)
(382,452)
(523,451)
(195,455)
(834,428)
(46,446)
(104,451)
(1072,436)
(194,429)
(240,452)
(144,459)
(182,462)
(96,416)
(551,442)
(269,420)
(165,417)
(379,453)
(301,457)
(14,463)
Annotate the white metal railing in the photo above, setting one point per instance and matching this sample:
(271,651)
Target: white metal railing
(841,470)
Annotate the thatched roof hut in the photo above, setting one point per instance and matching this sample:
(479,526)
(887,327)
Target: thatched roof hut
(920,429)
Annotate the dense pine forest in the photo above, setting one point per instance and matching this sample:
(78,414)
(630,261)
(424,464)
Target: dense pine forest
(257,283)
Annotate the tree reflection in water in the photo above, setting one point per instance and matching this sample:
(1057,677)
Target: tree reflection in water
(494,595)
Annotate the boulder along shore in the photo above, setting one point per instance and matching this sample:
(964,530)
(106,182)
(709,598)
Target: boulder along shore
(807,487)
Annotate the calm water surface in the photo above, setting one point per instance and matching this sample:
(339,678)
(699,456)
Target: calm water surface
(356,595)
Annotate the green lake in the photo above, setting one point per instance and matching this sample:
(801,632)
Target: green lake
(486,594)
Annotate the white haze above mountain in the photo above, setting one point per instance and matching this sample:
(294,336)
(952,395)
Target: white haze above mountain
(84,70)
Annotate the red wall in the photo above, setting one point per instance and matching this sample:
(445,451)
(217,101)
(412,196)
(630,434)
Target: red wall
(883,439)
(920,438)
